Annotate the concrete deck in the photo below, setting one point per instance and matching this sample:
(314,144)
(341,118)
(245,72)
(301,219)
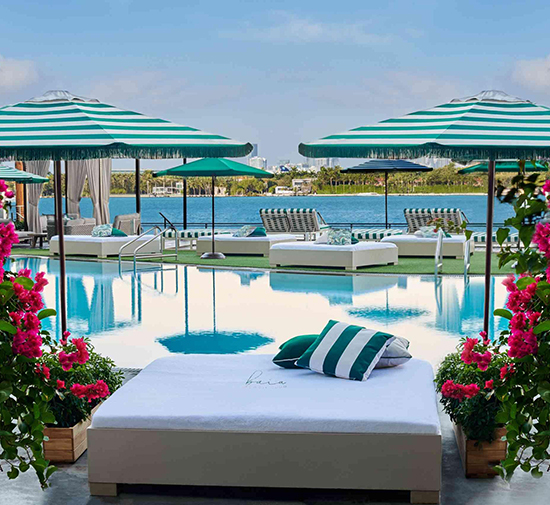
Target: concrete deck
(70,486)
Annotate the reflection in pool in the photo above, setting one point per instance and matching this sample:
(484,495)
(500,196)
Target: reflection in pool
(135,319)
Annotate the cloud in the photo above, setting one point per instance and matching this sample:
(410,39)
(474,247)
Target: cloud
(154,92)
(16,74)
(289,28)
(533,74)
(392,91)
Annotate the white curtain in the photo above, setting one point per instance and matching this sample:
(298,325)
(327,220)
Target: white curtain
(75,177)
(34,191)
(99,181)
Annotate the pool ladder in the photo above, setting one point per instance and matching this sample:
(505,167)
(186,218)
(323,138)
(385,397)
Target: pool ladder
(158,234)
(439,255)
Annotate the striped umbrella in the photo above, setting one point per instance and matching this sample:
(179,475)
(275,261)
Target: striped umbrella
(13,175)
(387,167)
(61,126)
(490,125)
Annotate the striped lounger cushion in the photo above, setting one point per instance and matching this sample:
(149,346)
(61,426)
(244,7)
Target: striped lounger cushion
(374,233)
(346,351)
(481,237)
(192,233)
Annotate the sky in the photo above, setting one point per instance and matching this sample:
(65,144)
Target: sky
(275,73)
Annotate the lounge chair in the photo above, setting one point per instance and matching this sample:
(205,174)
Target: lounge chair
(412,245)
(102,247)
(249,246)
(240,421)
(350,257)
(74,226)
(303,221)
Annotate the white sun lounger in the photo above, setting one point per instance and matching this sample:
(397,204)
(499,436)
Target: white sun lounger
(238,420)
(411,245)
(86,245)
(349,257)
(228,244)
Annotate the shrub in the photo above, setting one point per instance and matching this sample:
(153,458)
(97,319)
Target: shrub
(477,415)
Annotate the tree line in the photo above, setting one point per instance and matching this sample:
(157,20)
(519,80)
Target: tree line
(326,181)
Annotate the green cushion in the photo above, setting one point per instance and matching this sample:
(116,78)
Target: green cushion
(292,349)
(118,233)
(346,351)
(354,240)
(259,232)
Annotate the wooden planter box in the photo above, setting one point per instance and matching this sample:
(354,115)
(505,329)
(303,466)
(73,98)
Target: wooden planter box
(66,445)
(478,460)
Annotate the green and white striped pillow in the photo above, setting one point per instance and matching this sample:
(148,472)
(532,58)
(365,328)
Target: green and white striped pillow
(346,351)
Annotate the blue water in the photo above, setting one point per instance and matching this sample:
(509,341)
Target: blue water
(335,209)
(135,319)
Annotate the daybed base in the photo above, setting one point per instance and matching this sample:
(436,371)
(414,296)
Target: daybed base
(372,461)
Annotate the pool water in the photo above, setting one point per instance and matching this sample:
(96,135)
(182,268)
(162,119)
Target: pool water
(137,318)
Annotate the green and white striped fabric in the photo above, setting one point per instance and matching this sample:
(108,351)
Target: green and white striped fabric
(489,124)
(193,233)
(374,233)
(481,237)
(346,351)
(60,125)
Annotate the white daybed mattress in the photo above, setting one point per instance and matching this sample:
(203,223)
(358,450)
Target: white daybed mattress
(249,393)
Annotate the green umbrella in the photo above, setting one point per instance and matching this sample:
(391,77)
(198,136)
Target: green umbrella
(19,176)
(213,167)
(491,125)
(505,166)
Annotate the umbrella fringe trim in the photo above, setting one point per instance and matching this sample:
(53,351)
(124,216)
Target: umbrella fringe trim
(123,151)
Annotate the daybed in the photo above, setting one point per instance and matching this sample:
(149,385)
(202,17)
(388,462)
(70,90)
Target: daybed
(228,244)
(349,257)
(412,245)
(238,420)
(86,245)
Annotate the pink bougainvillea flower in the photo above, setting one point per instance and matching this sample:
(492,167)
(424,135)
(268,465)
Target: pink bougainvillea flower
(60,384)
(489,384)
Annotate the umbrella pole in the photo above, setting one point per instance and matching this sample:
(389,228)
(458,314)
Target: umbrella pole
(138,187)
(386,196)
(489,243)
(184,198)
(61,239)
(213,255)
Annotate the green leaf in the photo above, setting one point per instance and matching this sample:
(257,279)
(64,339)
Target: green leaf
(13,473)
(524,281)
(48,418)
(46,313)
(542,327)
(50,470)
(25,282)
(535,472)
(526,467)
(502,234)
(503,313)
(8,327)
(23,467)
(501,418)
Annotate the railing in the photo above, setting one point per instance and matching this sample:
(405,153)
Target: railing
(351,226)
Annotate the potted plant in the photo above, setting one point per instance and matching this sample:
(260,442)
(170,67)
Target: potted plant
(474,416)
(75,363)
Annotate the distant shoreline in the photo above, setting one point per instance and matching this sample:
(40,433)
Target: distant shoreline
(294,196)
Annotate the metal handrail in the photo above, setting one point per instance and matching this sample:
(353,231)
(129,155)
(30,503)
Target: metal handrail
(439,253)
(467,260)
(161,255)
(155,227)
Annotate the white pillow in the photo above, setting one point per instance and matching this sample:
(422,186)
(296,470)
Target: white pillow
(395,354)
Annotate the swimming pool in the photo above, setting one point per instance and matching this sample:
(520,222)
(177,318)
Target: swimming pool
(188,309)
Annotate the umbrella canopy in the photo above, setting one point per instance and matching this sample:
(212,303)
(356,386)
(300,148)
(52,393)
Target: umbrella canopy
(19,176)
(505,166)
(213,167)
(61,126)
(387,167)
(491,125)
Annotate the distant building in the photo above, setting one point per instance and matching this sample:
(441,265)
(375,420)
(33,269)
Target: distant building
(254,151)
(302,186)
(283,191)
(258,162)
